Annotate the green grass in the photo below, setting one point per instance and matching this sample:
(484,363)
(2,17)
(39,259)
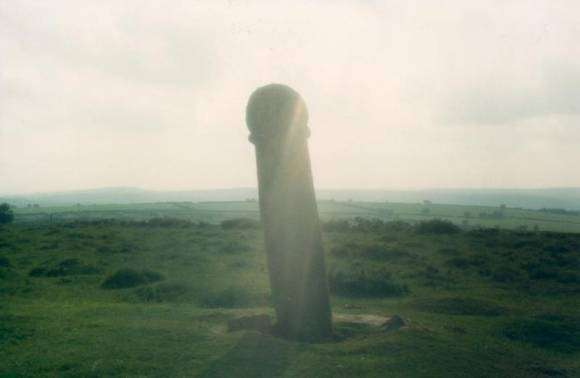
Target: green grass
(478,303)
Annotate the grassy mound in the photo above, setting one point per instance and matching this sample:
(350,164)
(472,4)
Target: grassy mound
(554,334)
(240,224)
(437,226)
(4,262)
(365,282)
(371,251)
(163,292)
(126,278)
(13,329)
(67,267)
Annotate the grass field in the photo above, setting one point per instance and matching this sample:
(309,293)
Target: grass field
(215,212)
(152,298)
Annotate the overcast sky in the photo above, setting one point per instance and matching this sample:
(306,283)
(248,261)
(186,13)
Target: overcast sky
(401,94)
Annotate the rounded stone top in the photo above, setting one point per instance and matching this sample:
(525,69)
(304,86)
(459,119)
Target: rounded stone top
(275,109)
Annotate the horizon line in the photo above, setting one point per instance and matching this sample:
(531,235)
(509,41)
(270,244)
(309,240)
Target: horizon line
(62,191)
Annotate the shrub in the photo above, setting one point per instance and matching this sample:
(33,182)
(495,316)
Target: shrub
(68,267)
(367,225)
(458,262)
(484,233)
(340,251)
(4,262)
(436,226)
(460,306)
(6,214)
(568,278)
(104,249)
(240,224)
(434,277)
(431,273)
(556,248)
(233,247)
(168,222)
(398,226)
(538,272)
(365,282)
(163,292)
(556,335)
(336,225)
(14,329)
(125,278)
(381,252)
(448,251)
(506,274)
(375,251)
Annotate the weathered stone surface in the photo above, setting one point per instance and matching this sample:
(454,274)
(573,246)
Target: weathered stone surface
(384,323)
(277,119)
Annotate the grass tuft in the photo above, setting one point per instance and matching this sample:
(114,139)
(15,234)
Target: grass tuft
(365,282)
(126,278)
(460,306)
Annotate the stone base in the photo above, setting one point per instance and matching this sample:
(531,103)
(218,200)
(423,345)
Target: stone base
(263,323)
(384,323)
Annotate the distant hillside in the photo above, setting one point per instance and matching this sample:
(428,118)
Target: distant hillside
(129,195)
(564,198)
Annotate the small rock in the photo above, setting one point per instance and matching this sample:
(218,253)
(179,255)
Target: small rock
(394,323)
(260,323)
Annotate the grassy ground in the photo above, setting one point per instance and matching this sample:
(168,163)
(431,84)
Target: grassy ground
(153,299)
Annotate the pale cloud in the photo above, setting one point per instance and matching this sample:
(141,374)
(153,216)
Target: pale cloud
(401,93)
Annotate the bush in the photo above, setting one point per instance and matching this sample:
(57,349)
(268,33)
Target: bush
(360,224)
(163,292)
(340,251)
(448,251)
(374,251)
(458,262)
(4,262)
(6,214)
(68,267)
(437,226)
(569,278)
(538,272)
(365,282)
(381,252)
(336,225)
(556,335)
(398,226)
(125,278)
(14,329)
(168,222)
(234,247)
(240,224)
(367,225)
(506,274)
(460,306)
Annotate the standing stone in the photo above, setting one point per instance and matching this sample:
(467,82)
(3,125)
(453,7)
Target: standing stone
(277,118)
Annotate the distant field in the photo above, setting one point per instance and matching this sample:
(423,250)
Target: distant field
(215,212)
